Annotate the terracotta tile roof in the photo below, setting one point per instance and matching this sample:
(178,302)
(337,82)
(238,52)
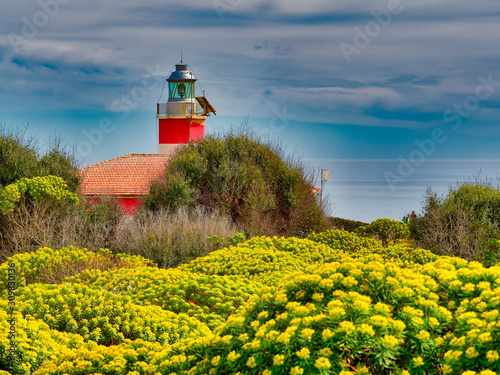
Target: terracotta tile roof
(129,175)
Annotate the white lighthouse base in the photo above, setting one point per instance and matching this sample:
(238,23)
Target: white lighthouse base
(167,148)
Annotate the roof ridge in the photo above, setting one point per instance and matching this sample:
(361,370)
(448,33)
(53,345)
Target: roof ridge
(124,156)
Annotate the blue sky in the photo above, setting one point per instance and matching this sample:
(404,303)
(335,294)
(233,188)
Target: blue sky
(329,79)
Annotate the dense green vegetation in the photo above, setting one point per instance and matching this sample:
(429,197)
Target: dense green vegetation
(346,224)
(253,183)
(19,158)
(464,223)
(387,230)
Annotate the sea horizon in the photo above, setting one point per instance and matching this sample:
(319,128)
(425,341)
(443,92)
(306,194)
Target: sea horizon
(368,189)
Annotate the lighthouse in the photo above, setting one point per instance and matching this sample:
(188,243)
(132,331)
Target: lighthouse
(182,118)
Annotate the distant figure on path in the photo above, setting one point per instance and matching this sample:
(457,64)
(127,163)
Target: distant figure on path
(404,220)
(413,215)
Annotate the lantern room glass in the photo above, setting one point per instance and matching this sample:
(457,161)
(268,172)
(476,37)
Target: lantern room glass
(181,90)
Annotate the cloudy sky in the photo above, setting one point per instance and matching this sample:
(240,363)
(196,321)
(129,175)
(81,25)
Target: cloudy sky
(381,79)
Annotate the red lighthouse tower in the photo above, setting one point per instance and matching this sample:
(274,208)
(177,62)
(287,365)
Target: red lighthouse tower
(182,118)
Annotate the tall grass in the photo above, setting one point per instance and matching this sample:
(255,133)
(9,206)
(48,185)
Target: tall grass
(167,238)
(170,239)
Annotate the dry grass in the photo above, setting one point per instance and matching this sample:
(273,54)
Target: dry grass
(171,239)
(166,238)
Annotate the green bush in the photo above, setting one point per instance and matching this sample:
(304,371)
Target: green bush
(245,179)
(387,230)
(346,224)
(19,159)
(463,223)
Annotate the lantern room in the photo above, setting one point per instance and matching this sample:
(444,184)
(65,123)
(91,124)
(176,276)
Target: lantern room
(181,84)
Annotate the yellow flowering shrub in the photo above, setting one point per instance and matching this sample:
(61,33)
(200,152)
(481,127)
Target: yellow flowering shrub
(345,241)
(332,317)
(102,316)
(48,265)
(472,293)
(357,246)
(331,304)
(39,187)
(129,357)
(263,259)
(208,298)
(35,341)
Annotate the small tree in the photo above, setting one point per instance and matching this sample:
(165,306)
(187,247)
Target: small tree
(387,229)
(462,222)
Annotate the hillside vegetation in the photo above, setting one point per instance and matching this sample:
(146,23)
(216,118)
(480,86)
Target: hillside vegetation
(331,304)
(215,188)
(261,190)
(464,223)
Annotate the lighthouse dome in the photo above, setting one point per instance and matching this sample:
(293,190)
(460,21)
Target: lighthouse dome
(181,73)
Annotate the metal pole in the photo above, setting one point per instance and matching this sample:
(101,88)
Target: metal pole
(321,191)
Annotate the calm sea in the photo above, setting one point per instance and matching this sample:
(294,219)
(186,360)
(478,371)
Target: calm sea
(366,190)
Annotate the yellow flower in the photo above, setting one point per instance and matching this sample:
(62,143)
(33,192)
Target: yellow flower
(346,327)
(366,329)
(418,361)
(378,320)
(349,282)
(318,297)
(325,352)
(417,321)
(307,333)
(304,353)
(322,363)
(262,315)
(296,371)
(233,356)
(243,337)
(278,359)
(251,362)
(283,338)
(468,288)
(471,352)
(327,334)
(390,341)
(423,335)
(492,356)
(484,337)
(215,361)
